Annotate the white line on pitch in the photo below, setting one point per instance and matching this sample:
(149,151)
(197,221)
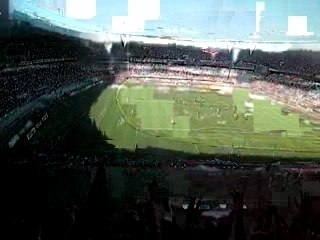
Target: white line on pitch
(195,145)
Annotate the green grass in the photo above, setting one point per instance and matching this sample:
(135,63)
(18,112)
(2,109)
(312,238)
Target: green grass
(201,122)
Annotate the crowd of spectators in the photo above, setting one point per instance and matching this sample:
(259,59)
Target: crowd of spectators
(193,73)
(159,218)
(156,217)
(148,69)
(302,93)
(302,62)
(22,85)
(16,86)
(164,52)
(30,51)
(34,62)
(40,46)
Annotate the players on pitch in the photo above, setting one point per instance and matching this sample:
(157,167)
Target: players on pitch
(201,101)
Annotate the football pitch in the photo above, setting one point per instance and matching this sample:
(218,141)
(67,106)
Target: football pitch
(209,122)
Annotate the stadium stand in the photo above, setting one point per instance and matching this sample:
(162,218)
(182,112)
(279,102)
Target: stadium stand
(27,74)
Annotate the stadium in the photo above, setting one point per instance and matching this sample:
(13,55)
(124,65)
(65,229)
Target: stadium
(148,137)
(200,110)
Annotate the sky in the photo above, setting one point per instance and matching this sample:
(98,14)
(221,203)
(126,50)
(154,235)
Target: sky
(208,19)
(216,18)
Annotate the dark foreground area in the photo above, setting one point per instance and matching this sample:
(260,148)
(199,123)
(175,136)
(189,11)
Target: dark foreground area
(86,200)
